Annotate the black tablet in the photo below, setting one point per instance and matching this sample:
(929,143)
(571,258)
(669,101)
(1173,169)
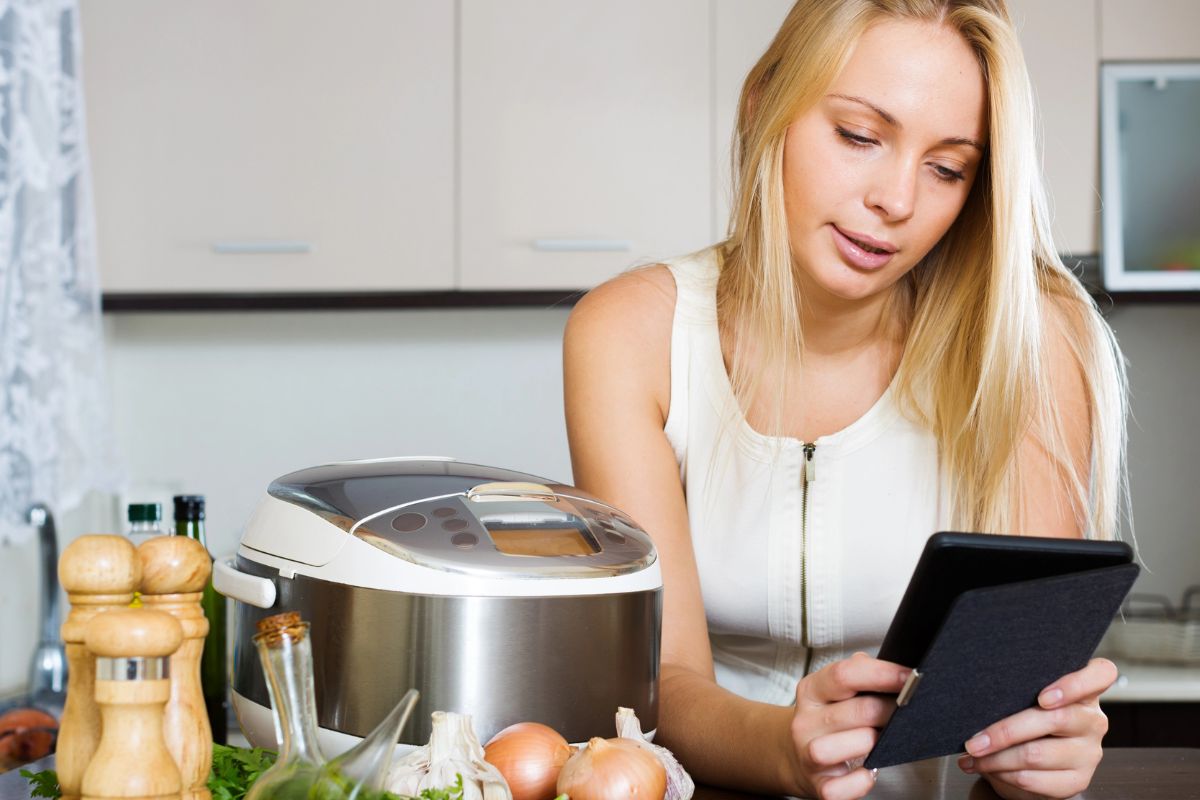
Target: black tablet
(986,623)
(952,563)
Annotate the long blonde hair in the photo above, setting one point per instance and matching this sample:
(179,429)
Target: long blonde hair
(975,310)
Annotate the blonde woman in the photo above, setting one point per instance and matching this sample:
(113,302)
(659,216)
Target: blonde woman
(885,346)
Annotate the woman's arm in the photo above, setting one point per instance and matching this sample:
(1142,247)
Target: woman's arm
(616,374)
(1046,492)
(617,392)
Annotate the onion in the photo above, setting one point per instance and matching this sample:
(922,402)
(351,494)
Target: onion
(613,769)
(26,734)
(529,755)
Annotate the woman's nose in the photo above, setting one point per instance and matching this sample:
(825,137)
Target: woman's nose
(893,193)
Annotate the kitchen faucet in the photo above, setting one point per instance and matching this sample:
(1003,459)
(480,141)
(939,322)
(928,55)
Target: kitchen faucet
(48,670)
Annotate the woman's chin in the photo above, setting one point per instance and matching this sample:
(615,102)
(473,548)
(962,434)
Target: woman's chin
(853,285)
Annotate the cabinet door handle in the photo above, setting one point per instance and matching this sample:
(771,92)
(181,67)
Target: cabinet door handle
(583,245)
(260,247)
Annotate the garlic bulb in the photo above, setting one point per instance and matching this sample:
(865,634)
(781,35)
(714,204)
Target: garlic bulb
(680,785)
(453,750)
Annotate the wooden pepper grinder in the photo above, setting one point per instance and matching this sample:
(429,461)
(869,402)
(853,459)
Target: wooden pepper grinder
(175,570)
(133,685)
(99,572)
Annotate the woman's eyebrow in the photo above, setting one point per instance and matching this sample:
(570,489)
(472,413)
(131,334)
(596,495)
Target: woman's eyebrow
(895,123)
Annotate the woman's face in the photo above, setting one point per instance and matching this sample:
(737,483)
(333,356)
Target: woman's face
(886,158)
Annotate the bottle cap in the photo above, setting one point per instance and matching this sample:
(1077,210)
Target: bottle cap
(145,512)
(189,507)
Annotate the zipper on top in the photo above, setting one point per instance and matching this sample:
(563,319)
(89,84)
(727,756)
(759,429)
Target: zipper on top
(807,477)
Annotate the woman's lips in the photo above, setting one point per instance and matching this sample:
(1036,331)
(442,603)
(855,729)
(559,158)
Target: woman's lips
(854,255)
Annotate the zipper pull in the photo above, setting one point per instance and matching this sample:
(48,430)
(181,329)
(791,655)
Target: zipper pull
(810,469)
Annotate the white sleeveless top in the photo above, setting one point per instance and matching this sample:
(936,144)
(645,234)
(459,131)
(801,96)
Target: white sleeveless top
(796,572)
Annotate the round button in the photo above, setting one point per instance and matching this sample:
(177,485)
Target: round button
(454,524)
(443,512)
(464,541)
(409,522)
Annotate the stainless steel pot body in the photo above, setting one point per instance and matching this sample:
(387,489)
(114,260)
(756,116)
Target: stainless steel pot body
(567,662)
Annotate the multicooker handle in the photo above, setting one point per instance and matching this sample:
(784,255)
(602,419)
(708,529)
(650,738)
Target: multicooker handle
(250,589)
(502,491)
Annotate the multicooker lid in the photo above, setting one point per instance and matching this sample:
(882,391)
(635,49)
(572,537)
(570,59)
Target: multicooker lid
(467,518)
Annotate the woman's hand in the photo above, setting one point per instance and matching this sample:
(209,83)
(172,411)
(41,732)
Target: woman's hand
(1050,751)
(834,727)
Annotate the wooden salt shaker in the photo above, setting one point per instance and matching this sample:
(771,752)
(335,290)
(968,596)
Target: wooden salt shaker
(175,570)
(133,685)
(99,572)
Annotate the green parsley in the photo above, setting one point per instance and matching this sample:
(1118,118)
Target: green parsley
(43,784)
(234,769)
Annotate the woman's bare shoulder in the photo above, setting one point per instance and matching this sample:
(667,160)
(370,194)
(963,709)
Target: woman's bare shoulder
(634,309)
(623,328)
(643,298)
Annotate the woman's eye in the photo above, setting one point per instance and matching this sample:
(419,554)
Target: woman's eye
(853,139)
(948,175)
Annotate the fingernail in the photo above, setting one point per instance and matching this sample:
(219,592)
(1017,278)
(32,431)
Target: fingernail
(1051,697)
(978,745)
(904,675)
(874,775)
(967,764)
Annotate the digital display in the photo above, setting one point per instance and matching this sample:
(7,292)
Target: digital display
(543,542)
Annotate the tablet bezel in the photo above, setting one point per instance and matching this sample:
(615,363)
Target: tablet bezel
(954,562)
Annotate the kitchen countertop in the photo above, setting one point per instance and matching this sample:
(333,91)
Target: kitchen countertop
(1124,774)
(1154,683)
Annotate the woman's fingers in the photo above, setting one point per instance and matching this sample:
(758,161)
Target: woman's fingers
(863,711)
(1089,682)
(838,748)
(845,785)
(846,678)
(1078,719)
(1048,754)
(1042,783)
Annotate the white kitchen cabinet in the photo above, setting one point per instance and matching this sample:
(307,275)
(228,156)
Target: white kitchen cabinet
(1059,41)
(586,138)
(744,29)
(1149,30)
(271,146)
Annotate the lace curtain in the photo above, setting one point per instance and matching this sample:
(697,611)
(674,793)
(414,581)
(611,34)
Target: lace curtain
(55,431)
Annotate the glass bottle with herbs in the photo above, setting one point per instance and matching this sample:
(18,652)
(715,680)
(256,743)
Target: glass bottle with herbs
(302,771)
(189,521)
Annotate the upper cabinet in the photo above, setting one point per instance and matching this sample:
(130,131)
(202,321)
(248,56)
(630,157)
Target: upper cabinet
(587,141)
(1149,30)
(271,146)
(743,32)
(1059,41)
(277,146)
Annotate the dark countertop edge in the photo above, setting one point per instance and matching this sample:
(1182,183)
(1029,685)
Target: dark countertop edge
(1086,266)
